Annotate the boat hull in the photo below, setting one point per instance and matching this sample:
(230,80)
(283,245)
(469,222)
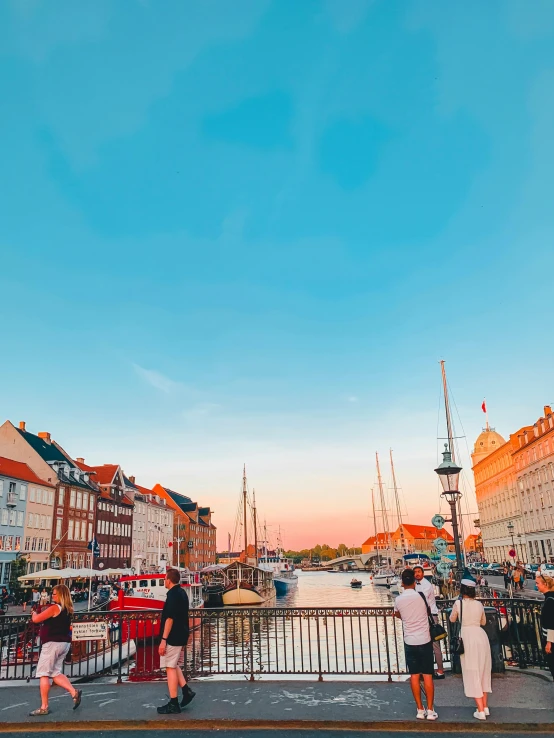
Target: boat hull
(235,595)
(285,584)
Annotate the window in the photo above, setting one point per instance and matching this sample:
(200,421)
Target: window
(51,497)
(34,544)
(12,517)
(91,502)
(23,492)
(85,501)
(27,543)
(40,543)
(20,518)
(61,493)
(70,530)
(58,528)
(79,503)
(43,522)
(1,488)
(90,533)
(72,498)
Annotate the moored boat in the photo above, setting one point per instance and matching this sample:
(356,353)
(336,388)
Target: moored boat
(246,585)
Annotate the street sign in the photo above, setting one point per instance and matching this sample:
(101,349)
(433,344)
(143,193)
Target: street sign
(512,553)
(438,521)
(440,544)
(443,568)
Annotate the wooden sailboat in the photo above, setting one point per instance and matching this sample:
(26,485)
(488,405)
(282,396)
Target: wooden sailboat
(245,582)
(386,575)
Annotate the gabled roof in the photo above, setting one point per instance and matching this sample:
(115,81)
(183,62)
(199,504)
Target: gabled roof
(204,511)
(428,532)
(382,540)
(19,470)
(104,474)
(51,452)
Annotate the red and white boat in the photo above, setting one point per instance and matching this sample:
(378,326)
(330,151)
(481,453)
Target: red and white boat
(147,592)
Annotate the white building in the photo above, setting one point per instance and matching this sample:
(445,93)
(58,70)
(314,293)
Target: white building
(152,530)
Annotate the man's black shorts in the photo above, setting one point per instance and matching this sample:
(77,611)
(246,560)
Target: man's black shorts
(419,659)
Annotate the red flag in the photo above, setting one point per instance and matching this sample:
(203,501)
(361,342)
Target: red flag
(484,407)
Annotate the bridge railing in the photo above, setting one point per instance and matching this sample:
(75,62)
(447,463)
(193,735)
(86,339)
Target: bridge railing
(322,642)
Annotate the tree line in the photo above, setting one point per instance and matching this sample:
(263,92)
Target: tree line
(321,553)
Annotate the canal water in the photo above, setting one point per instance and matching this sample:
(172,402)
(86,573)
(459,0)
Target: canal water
(332,589)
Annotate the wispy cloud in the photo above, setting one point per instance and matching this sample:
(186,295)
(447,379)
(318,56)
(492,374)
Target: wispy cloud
(157,379)
(352,398)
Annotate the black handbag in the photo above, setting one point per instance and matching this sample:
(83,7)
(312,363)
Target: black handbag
(456,642)
(436,629)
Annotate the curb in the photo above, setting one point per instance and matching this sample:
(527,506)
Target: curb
(399,726)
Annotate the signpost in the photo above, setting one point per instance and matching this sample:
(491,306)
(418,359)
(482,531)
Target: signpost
(438,521)
(440,544)
(94,631)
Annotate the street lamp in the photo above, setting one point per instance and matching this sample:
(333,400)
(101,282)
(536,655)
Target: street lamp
(449,474)
(510,527)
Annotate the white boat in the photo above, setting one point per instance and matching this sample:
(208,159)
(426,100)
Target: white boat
(282,570)
(385,578)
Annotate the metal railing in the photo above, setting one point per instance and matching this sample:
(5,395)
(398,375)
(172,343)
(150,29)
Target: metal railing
(263,641)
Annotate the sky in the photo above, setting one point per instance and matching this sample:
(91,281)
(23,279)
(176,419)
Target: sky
(246,233)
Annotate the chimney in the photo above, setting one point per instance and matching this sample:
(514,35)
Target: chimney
(22,425)
(132,480)
(547,411)
(80,460)
(45,436)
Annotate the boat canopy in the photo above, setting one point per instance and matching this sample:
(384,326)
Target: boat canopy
(409,557)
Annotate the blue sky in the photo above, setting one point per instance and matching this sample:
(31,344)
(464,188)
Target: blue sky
(247,232)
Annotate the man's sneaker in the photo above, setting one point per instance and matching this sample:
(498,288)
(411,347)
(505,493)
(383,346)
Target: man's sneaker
(431,715)
(421,714)
(188,696)
(479,715)
(172,708)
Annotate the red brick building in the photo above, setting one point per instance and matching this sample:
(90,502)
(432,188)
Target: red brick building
(114,515)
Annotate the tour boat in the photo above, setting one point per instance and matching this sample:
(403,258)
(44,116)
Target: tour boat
(356,584)
(147,592)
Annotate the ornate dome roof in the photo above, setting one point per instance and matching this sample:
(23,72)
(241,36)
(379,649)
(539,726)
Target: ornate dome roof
(487,442)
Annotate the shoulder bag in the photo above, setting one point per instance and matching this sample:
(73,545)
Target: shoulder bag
(436,629)
(456,642)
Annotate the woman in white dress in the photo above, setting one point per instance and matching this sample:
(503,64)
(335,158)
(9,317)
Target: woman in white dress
(476,659)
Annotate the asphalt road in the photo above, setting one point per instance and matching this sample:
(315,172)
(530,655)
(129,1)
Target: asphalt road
(499,582)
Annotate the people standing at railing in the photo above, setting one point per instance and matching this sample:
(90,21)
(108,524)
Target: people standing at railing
(476,656)
(174,628)
(545,585)
(426,588)
(55,638)
(418,647)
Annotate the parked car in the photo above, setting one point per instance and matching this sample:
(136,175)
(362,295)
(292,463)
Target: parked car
(547,569)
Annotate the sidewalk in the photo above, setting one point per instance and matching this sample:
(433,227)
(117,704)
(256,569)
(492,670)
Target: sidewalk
(518,700)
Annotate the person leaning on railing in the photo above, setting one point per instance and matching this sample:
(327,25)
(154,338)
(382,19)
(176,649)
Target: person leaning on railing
(545,585)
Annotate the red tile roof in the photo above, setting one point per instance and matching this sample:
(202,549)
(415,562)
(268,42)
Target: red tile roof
(427,532)
(19,470)
(102,474)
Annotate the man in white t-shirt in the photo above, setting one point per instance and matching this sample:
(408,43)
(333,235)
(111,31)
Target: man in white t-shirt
(425,586)
(411,608)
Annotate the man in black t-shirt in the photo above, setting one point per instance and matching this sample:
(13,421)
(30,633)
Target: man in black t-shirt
(175,632)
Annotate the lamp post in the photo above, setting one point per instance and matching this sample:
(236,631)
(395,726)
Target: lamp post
(449,474)
(510,527)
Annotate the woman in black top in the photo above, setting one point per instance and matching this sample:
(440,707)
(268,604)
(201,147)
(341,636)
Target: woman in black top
(546,586)
(55,640)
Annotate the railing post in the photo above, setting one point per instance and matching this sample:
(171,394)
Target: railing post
(251,647)
(120,644)
(320,678)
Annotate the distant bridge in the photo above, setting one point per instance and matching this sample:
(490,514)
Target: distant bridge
(360,561)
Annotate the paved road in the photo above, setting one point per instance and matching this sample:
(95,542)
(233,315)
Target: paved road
(528,589)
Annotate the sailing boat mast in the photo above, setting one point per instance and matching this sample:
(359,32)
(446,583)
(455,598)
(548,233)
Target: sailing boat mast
(374,514)
(397,500)
(447,411)
(255,525)
(245,521)
(384,507)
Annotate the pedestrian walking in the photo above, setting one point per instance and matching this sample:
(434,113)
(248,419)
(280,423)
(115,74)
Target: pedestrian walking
(476,657)
(412,610)
(175,632)
(426,588)
(545,585)
(517,579)
(55,638)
